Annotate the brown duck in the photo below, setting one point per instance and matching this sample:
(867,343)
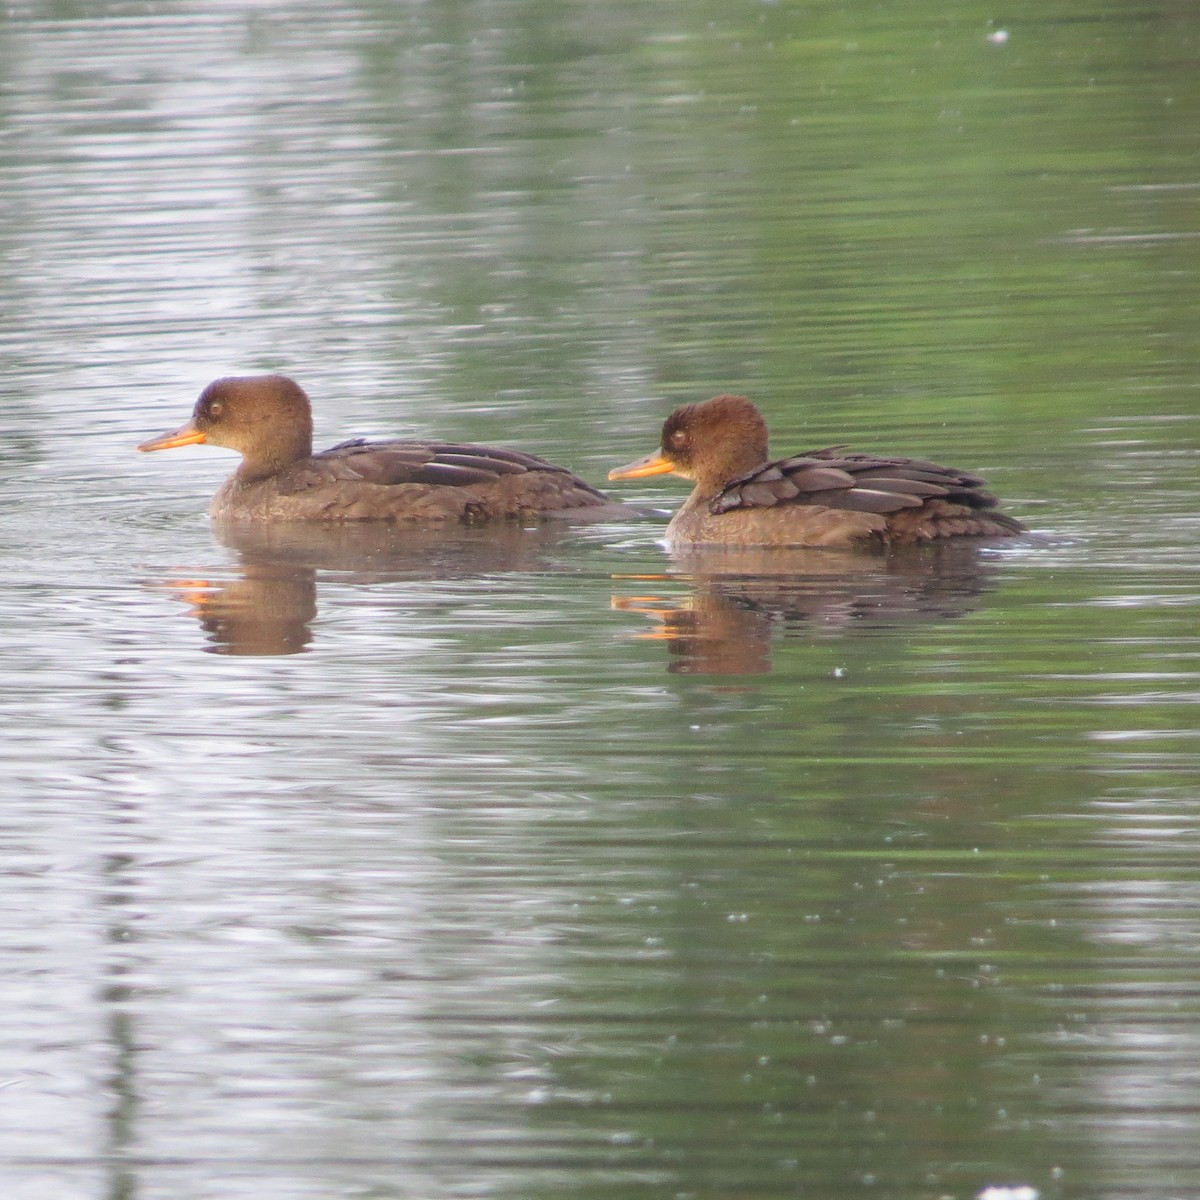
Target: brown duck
(831,497)
(268,420)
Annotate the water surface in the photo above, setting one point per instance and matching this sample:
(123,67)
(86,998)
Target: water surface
(539,861)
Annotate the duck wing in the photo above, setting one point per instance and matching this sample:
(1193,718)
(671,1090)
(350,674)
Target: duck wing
(450,464)
(846,479)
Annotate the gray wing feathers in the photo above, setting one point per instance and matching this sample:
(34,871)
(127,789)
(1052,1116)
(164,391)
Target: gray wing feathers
(859,482)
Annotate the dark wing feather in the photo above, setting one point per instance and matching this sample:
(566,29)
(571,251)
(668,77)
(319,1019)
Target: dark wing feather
(819,479)
(495,455)
(891,481)
(865,499)
(839,478)
(447,463)
(758,495)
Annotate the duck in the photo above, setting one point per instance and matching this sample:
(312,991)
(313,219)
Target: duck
(834,497)
(268,420)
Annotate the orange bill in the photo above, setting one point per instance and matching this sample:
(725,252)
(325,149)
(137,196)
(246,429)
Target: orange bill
(185,435)
(652,464)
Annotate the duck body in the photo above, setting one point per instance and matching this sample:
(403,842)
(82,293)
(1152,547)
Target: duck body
(824,498)
(405,481)
(268,419)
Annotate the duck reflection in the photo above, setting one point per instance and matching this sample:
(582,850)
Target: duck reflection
(265,611)
(267,606)
(741,598)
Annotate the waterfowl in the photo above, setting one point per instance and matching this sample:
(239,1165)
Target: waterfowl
(268,420)
(830,497)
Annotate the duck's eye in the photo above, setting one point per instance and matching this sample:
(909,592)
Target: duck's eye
(679,439)
(215,409)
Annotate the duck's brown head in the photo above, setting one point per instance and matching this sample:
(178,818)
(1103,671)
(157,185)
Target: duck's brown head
(266,418)
(709,443)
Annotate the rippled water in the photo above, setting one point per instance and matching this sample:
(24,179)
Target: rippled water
(530,862)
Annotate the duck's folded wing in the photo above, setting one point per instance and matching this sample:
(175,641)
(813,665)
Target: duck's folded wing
(839,478)
(447,463)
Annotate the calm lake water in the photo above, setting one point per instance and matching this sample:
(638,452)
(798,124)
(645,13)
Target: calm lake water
(539,863)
